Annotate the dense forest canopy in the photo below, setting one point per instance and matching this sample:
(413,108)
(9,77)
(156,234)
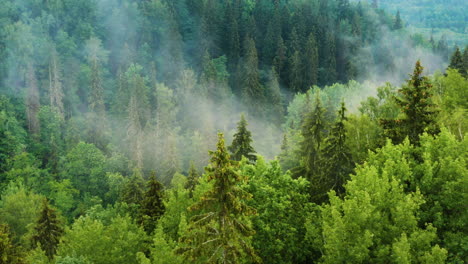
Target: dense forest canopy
(232,131)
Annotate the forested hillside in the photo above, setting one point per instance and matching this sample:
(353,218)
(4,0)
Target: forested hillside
(445,19)
(228,131)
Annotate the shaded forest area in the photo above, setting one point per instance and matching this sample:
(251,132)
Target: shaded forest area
(228,131)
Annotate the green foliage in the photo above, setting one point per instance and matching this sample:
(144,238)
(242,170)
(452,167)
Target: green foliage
(9,253)
(220,231)
(241,144)
(152,206)
(48,230)
(19,208)
(118,242)
(283,201)
(415,102)
(84,166)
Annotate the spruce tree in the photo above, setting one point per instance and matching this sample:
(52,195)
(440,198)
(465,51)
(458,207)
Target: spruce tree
(311,144)
(336,160)
(192,178)
(220,230)
(132,191)
(457,63)
(152,205)
(252,93)
(311,61)
(241,144)
(419,114)
(465,61)
(398,23)
(48,230)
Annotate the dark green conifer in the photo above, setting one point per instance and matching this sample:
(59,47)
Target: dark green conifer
(313,130)
(336,160)
(457,63)
(398,23)
(48,230)
(465,61)
(132,191)
(311,61)
(252,91)
(220,230)
(152,205)
(415,102)
(241,144)
(192,178)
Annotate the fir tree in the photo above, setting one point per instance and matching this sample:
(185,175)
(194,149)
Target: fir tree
(219,232)
(311,144)
(241,144)
(32,100)
(398,23)
(152,205)
(48,230)
(336,159)
(252,93)
(465,61)
(457,63)
(311,62)
(415,102)
(192,178)
(132,191)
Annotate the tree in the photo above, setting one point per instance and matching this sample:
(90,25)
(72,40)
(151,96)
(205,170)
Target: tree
(220,232)
(9,253)
(336,158)
(32,101)
(55,84)
(152,206)
(241,144)
(192,178)
(415,103)
(311,61)
(252,91)
(457,62)
(311,144)
(48,230)
(132,191)
(398,23)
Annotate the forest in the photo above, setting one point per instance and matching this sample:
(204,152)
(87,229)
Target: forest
(232,131)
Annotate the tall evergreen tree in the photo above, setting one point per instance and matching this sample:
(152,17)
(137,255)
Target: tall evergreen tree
(241,144)
(48,230)
(132,191)
(465,61)
(192,178)
(311,62)
(457,63)
(311,144)
(220,232)
(398,23)
(337,160)
(252,93)
(32,100)
(415,102)
(152,205)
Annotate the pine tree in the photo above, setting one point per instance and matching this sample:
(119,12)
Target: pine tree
(241,144)
(220,232)
(252,92)
(398,23)
(457,63)
(48,230)
(295,72)
(336,158)
(152,205)
(275,99)
(192,178)
(311,144)
(415,102)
